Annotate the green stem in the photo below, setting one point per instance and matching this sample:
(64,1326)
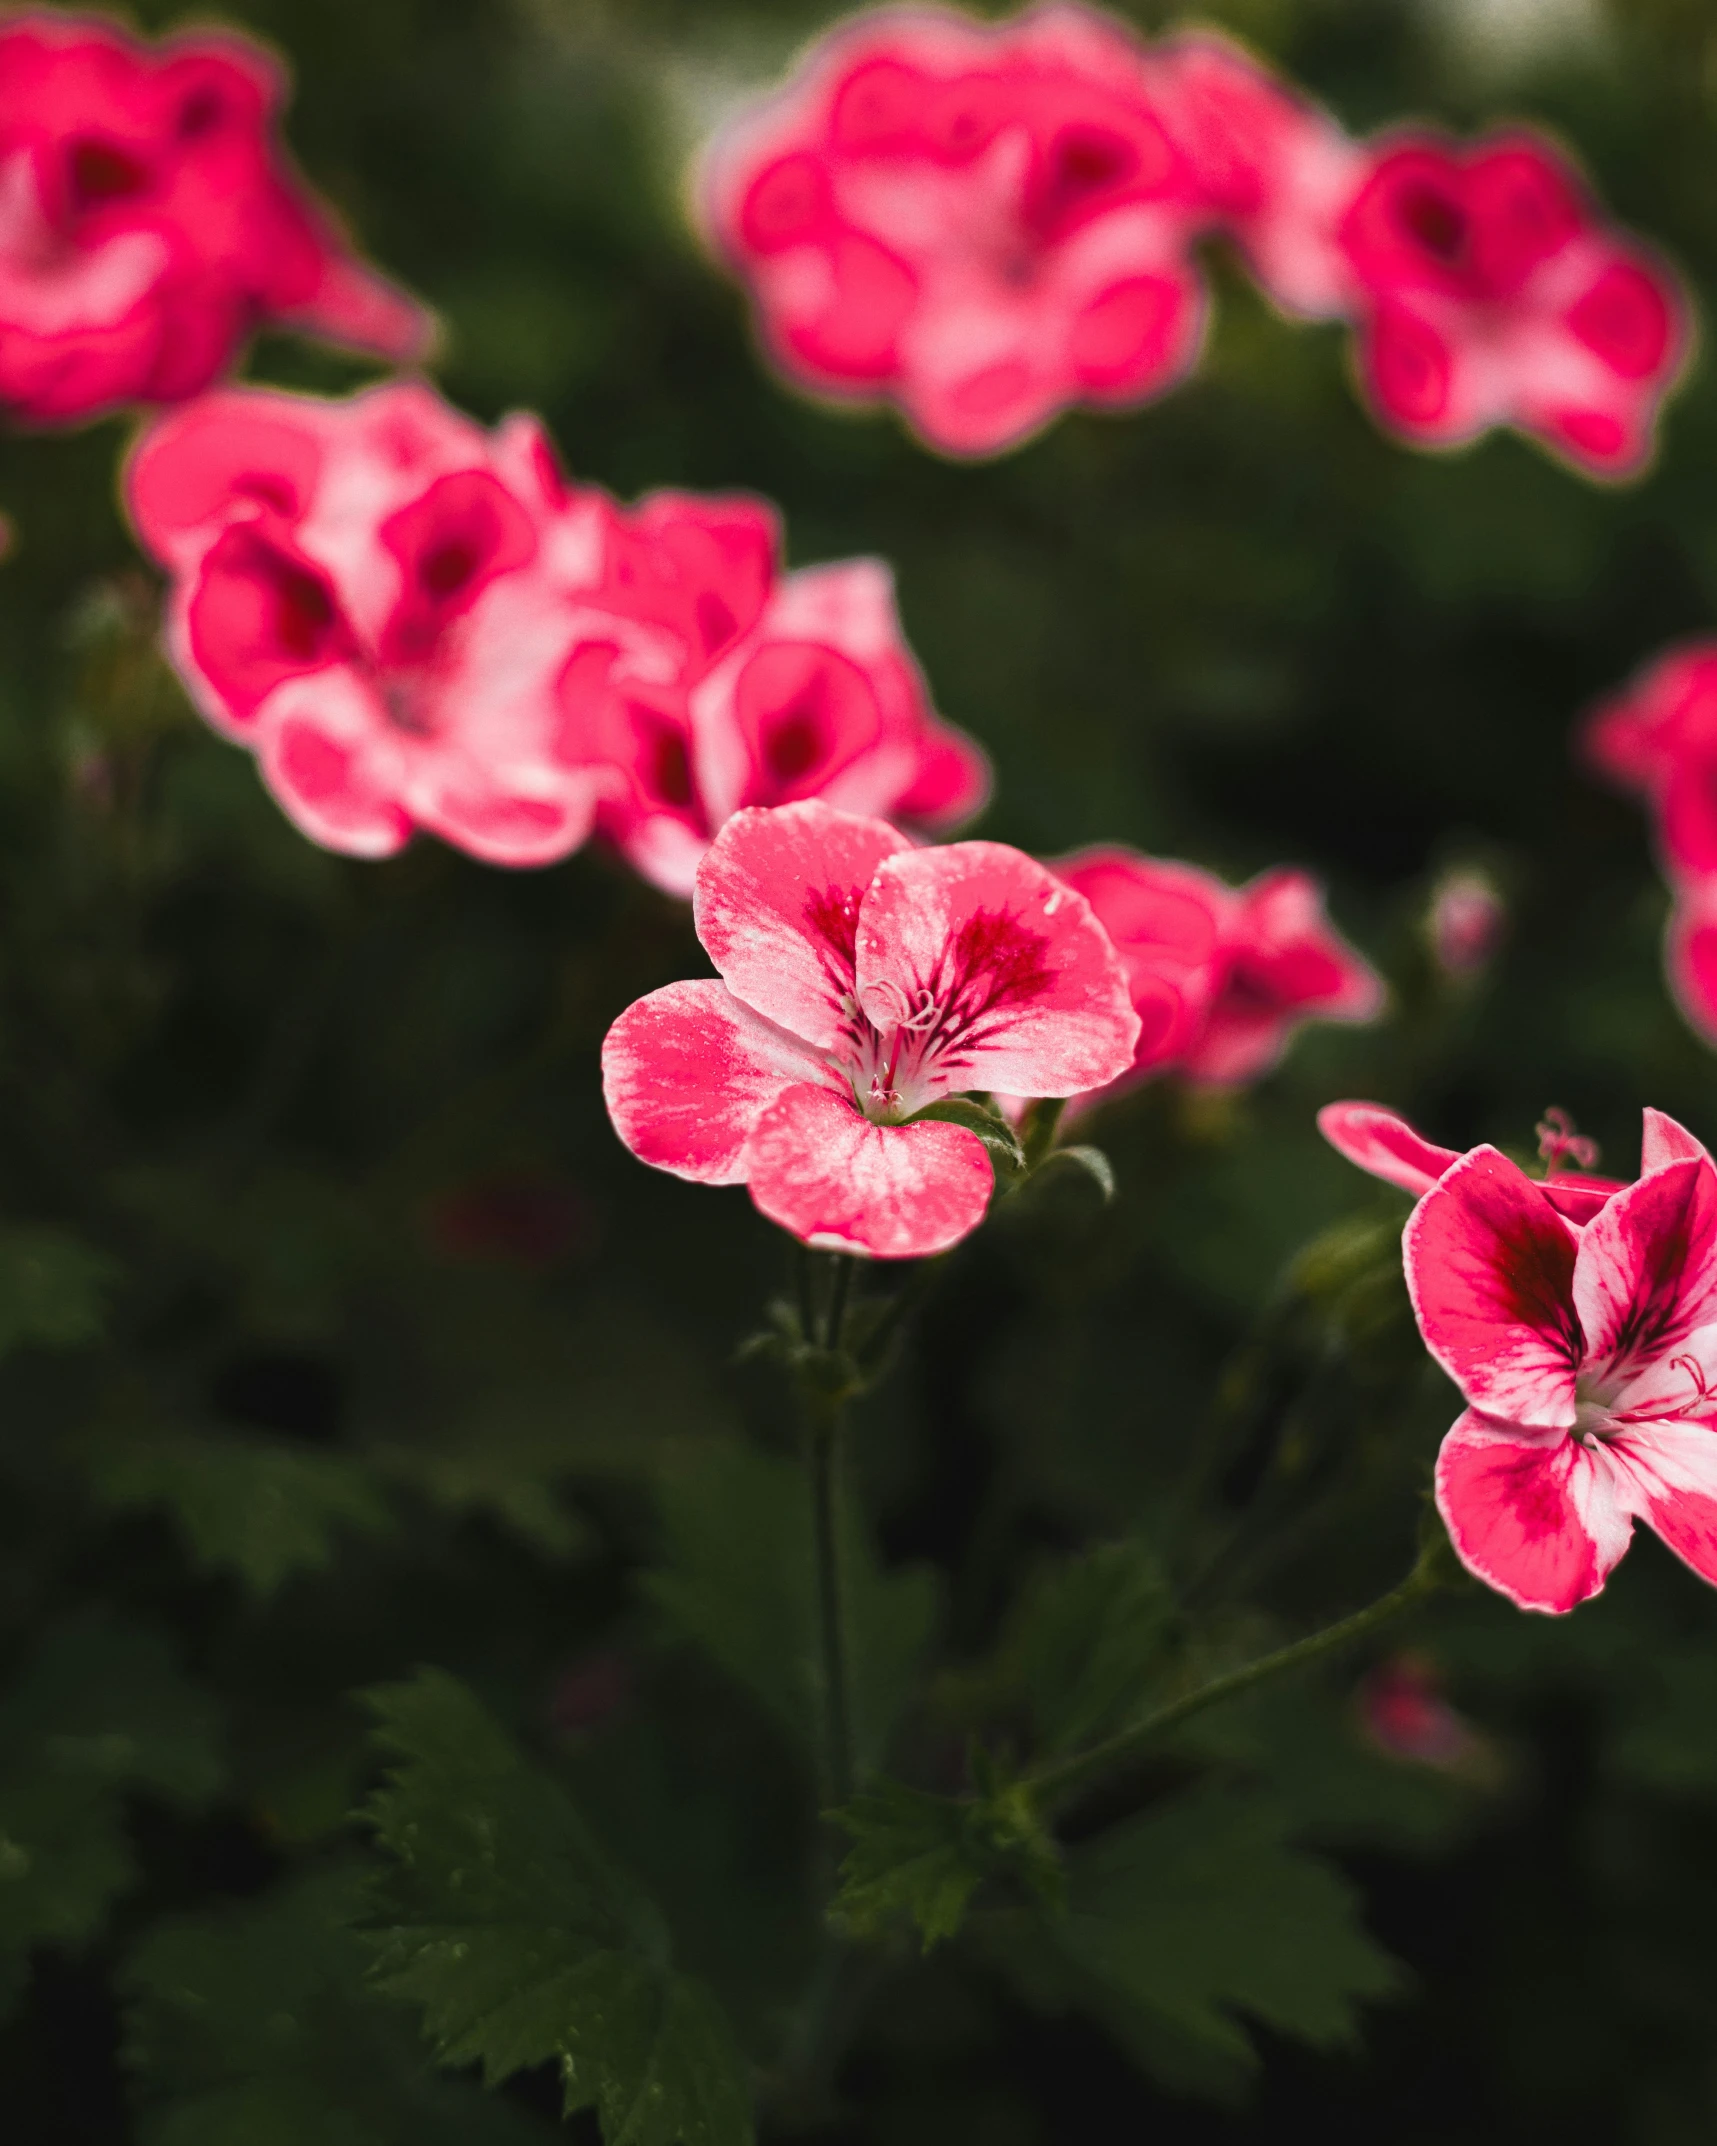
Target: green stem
(826,1416)
(1037,1134)
(1058,1784)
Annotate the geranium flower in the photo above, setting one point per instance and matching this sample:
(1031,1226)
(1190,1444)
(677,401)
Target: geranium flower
(1465,922)
(1405,1713)
(1272,169)
(1490,291)
(862,980)
(1659,736)
(1221,976)
(983,224)
(1584,1355)
(150,221)
(379,598)
(1380,1141)
(785,688)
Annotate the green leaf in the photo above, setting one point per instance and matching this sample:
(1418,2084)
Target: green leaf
(52,1288)
(504,1487)
(254,2023)
(919,1858)
(1091,1637)
(101,1710)
(521,1943)
(1091,1161)
(1195,1918)
(1000,1140)
(259,1508)
(738,1581)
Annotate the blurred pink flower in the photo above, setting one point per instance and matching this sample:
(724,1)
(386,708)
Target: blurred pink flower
(378,597)
(1489,290)
(1382,1143)
(1220,976)
(1404,1713)
(861,981)
(1465,923)
(787,688)
(1270,168)
(1585,1357)
(150,221)
(982,224)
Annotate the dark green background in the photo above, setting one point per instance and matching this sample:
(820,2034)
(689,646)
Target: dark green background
(1240,627)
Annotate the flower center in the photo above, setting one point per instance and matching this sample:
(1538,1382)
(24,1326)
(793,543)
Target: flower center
(1598,1418)
(891,1051)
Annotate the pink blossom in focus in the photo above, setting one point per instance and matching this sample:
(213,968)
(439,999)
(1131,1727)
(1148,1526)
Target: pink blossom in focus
(1489,290)
(1381,1142)
(784,687)
(862,980)
(1465,923)
(1269,167)
(150,221)
(1221,976)
(1584,1355)
(982,224)
(379,598)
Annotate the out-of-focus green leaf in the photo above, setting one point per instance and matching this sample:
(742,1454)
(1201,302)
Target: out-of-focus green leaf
(256,1507)
(918,1858)
(500,1485)
(1187,1922)
(1091,1637)
(253,2024)
(52,1288)
(99,1711)
(522,1943)
(737,1580)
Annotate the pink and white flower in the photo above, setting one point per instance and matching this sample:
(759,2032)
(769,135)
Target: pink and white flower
(983,224)
(786,687)
(1584,1353)
(1405,1713)
(379,598)
(1380,1141)
(1272,169)
(1465,922)
(862,980)
(150,221)
(1221,976)
(1489,290)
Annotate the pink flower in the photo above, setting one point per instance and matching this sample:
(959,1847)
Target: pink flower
(1584,1354)
(1489,291)
(1465,923)
(149,221)
(1404,1713)
(861,981)
(1659,736)
(981,224)
(781,689)
(1220,976)
(1272,169)
(379,598)
(1382,1143)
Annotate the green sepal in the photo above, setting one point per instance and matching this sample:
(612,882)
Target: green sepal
(1000,1140)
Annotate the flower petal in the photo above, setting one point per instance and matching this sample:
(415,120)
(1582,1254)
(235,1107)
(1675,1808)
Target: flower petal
(1490,1268)
(1674,1487)
(1379,1141)
(688,1071)
(818,1166)
(1535,1517)
(777,904)
(1663,1140)
(1646,1276)
(1030,995)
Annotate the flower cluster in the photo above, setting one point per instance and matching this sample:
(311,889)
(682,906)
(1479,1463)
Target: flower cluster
(1578,1317)
(149,222)
(987,224)
(416,623)
(1659,737)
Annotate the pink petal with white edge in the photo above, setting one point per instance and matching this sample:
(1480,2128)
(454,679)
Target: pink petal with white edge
(688,1072)
(1663,1140)
(825,1172)
(776,905)
(1536,1517)
(1671,1483)
(318,755)
(1385,1145)
(1490,1269)
(1029,993)
(1646,1276)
